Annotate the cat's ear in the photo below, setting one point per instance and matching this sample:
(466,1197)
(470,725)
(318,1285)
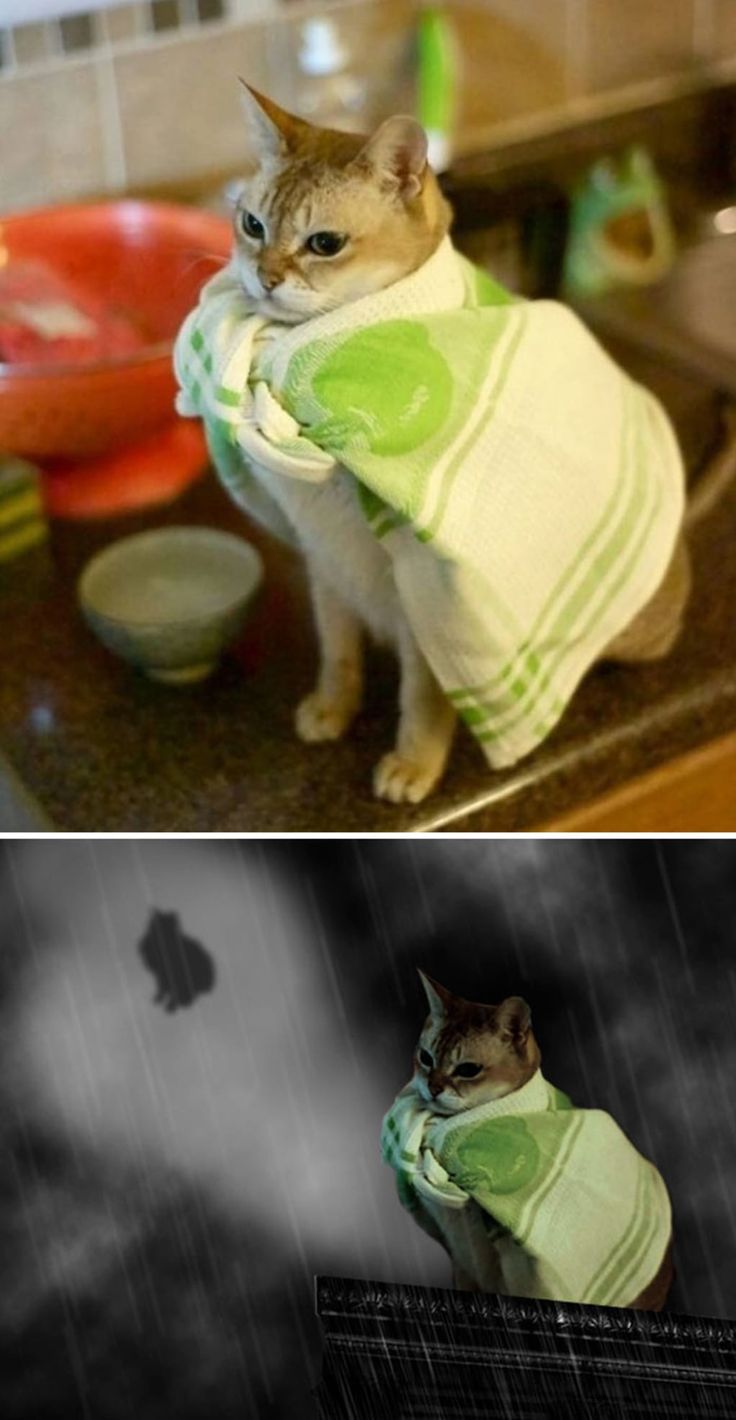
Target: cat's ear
(273,131)
(438,997)
(398,151)
(513,1019)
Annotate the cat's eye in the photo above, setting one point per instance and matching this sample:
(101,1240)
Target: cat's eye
(426,1059)
(467,1071)
(326,243)
(252,226)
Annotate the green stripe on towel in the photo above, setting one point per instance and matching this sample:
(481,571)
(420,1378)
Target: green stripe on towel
(527,493)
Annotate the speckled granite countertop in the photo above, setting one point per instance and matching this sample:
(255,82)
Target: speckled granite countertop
(100,748)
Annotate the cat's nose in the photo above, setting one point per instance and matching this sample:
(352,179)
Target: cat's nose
(268,280)
(435,1087)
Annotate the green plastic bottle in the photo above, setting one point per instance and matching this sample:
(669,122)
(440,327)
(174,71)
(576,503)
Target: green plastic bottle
(437,82)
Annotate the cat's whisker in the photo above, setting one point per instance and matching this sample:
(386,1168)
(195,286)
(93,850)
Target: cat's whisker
(212,257)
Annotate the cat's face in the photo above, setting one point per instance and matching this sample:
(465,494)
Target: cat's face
(324,218)
(468,1053)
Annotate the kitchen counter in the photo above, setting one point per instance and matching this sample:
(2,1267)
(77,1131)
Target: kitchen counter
(100,748)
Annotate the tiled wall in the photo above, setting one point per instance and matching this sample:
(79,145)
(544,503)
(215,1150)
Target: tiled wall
(146,93)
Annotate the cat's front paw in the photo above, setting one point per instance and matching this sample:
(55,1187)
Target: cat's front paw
(402,780)
(319,718)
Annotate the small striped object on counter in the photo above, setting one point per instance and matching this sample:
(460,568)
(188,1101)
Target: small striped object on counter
(23,522)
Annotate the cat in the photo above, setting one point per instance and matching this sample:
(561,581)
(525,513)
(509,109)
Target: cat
(182,967)
(471,1055)
(323,218)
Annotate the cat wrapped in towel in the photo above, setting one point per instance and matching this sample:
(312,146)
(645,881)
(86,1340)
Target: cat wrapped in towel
(529,1196)
(470,478)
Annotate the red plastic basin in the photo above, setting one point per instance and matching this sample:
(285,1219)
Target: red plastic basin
(147,259)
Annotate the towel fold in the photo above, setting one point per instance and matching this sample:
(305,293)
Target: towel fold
(527,491)
(563,1184)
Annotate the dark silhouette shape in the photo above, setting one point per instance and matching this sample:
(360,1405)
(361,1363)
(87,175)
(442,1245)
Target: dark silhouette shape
(183,968)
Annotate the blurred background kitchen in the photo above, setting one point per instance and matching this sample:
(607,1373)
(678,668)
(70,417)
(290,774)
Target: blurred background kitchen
(98,98)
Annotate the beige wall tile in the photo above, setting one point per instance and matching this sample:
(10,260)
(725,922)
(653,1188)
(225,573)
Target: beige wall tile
(514,58)
(546,22)
(123,22)
(724,26)
(78,32)
(32,42)
(180,107)
(164,15)
(633,40)
(57,150)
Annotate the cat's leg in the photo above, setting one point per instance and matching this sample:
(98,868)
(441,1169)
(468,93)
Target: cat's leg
(653,1298)
(328,711)
(426,726)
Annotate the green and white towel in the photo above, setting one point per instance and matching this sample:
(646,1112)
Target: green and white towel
(527,491)
(564,1183)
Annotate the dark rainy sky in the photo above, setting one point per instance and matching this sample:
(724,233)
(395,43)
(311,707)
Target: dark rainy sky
(182,1154)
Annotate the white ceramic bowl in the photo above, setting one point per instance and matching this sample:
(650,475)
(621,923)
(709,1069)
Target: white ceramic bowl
(171,599)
